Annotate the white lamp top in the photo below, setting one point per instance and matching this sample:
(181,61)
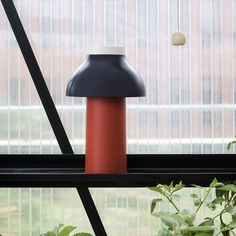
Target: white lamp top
(107,51)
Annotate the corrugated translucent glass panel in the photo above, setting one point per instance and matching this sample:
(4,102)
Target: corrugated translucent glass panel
(189,107)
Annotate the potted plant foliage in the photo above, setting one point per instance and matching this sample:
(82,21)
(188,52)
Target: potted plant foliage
(62,230)
(182,222)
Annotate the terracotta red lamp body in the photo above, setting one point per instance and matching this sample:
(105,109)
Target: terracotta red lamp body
(105,136)
(106,79)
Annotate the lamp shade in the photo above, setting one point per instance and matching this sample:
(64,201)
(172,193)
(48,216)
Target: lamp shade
(106,73)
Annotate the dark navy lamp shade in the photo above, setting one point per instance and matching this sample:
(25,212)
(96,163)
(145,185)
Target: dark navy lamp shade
(106,74)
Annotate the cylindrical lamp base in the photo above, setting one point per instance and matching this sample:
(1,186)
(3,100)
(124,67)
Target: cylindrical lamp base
(105,136)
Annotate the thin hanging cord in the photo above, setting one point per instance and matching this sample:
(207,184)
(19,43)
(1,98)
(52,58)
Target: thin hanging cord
(178,15)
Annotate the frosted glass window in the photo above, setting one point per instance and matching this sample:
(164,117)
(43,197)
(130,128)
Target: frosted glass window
(189,107)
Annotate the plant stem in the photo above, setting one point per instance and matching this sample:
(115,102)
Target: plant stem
(173,204)
(221,220)
(231,201)
(204,199)
(221,213)
(226,233)
(168,196)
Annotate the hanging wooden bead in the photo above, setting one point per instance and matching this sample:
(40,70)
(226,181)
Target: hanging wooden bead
(178,38)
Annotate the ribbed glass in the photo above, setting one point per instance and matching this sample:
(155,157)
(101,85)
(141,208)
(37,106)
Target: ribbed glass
(189,107)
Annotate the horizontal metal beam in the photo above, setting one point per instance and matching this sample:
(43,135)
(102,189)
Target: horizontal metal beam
(136,162)
(143,170)
(58,178)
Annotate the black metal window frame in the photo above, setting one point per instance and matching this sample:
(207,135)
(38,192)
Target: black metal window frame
(67,169)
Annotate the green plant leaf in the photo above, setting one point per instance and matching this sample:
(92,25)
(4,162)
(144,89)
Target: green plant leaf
(83,234)
(222,193)
(167,188)
(49,233)
(156,189)
(208,222)
(179,219)
(219,184)
(58,228)
(196,199)
(164,232)
(66,230)
(179,186)
(197,202)
(203,234)
(214,183)
(232,210)
(199,229)
(232,224)
(211,206)
(228,187)
(194,195)
(154,202)
(167,219)
(189,217)
(219,193)
(227,195)
(218,200)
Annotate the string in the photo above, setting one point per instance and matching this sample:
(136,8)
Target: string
(178,15)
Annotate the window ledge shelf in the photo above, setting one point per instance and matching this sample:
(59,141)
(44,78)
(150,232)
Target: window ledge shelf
(143,170)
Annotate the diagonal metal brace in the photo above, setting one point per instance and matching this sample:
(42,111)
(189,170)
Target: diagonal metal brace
(50,108)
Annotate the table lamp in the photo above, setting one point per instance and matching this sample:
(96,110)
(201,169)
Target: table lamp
(106,79)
